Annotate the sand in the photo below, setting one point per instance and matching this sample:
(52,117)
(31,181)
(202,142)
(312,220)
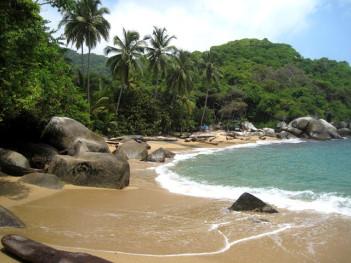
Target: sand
(145,223)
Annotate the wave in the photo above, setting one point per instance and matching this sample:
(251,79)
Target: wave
(291,200)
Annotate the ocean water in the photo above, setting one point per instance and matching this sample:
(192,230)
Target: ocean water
(291,174)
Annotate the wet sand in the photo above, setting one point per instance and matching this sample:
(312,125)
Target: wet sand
(144,223)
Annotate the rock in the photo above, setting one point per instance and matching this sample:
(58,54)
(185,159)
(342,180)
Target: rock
(248,126)
(92,169)
(344,132)
(42,179)
(134,150)
(38,154)
(281,126)
(63,133)
(269,132)
(120,155)
(159,155)
(13,158)
(285,135)
(341,125)
(249,202)
(31,251)
(8,219)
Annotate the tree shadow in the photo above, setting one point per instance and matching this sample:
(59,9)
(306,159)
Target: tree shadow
(13,190)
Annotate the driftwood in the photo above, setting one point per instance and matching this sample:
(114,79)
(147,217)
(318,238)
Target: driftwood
(112,142)
(31,251)
(159,139)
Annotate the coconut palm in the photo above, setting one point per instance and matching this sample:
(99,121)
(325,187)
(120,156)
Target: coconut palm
(159,53)
(211,76)
(86,24)
(126,57)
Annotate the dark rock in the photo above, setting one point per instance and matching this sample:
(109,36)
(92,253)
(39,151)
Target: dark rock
(14,170)
(13,158)
(8,219)
(64,133)
(134,150)
(344,132)
(285,135)
(92,169)
(38,154)
(281,126)
(42,179)
(249,202)
(31,251)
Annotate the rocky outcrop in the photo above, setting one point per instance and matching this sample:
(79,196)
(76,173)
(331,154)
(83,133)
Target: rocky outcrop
(159,155)
(308,127)
(43,180)
(249,202)
(134,150)
(29,250)
(8,219)
(64,133)
(92,169)
(38,154)
(248,126)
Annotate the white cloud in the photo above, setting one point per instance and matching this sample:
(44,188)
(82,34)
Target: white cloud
(199,24)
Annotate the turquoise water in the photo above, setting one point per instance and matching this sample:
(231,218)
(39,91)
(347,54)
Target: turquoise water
(299,175)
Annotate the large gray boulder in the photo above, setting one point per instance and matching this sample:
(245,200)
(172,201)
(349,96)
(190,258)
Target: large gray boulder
(249,202)
(38,154)
(50,181)
(28,250)
(281,125)
(91,169)
(248,126)
(269,132)
(13,158)
(308,127)
(8,219)
(134,150)
(64,133)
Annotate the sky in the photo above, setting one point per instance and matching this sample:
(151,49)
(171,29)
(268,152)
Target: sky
(315,28)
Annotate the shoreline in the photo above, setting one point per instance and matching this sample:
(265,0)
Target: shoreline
(153,223)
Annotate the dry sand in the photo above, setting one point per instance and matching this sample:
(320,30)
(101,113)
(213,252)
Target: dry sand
(144,223)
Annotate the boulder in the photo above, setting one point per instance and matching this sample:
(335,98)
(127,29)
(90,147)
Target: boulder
(281,126)
(38,154)
(248,126)
(134,150)
(249,202)
(285,135)
(13,158)
(42,179)
(8,219)
(344,132)
(159,155)
(269,132)
(341,125)
(91,169)
(28,250)
(63,133)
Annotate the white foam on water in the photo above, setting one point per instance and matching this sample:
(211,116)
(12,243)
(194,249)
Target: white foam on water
(292,200)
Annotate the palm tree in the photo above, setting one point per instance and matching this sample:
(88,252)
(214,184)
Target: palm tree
(211,75)
(180,77)
(126,58)
(159,53)
(86,24)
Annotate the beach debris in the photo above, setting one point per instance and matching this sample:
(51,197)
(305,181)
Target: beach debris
(8,219)
(92,169)
(38,154)
(46,180)
(159,155)
(159,139)
(63,133)
(311,128)
(134,150)
(34,252)
(249,202)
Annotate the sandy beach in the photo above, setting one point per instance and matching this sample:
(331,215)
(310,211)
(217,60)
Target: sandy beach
(145,223)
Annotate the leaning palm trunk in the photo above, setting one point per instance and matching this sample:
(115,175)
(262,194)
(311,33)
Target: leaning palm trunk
(203,112)
(119,100)
(88,82)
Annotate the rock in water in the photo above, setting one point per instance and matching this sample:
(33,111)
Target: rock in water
(13,158)
(34,252)
(134,150)
(42,179)
(8,219)
(249,202)
(344,132)
(159,155)
(92,169)
(63,133)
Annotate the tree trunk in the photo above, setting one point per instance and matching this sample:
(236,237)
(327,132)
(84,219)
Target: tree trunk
(156,87)
(203,113)
(88,82)
(82,85)
(119,100)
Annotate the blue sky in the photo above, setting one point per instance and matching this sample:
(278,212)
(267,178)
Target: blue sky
(316,28)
